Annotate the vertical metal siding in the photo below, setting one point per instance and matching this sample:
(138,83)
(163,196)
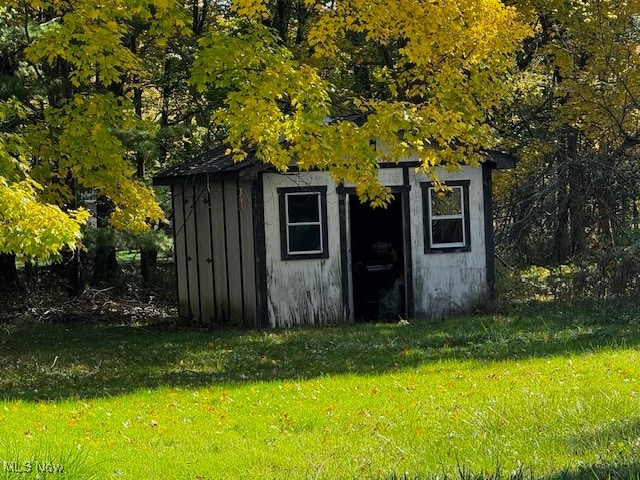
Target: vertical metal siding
(219,249)
(249,285)
(234,263)
(204,256)
(191,229)
(241,249)
(214,261)
(182,278)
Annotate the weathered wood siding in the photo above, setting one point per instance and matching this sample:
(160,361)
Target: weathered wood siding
(215,260)
(302,292)
(448,283)
(391,177)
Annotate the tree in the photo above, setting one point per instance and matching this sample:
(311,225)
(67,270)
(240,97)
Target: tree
(445,68)
(79,81)
(95,79)
(28,226)
(576,129)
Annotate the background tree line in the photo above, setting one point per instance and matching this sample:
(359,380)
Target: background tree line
(573,198)
(96,96)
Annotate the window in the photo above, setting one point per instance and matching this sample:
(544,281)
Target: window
(303,223)
(446,217)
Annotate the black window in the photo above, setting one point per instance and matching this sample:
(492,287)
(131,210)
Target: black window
(446,217)
(303,222)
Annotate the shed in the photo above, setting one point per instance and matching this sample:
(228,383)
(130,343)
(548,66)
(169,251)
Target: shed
(255,247)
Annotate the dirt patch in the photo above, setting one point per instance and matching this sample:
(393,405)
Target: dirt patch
(108,305)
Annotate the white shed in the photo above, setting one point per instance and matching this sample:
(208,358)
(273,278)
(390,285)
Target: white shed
(254,247)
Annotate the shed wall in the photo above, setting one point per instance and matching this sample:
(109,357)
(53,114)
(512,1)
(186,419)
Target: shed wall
(215,259)
(446,283)
(302,291)
(217,224)
(181,262)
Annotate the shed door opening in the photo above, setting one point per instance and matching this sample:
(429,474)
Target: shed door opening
(377,260)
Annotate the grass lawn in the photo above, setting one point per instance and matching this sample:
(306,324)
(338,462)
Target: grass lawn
(550,391)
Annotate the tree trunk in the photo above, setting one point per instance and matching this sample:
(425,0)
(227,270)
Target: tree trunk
(148,264)
(570,236)
(74,275)
(576,191)
(105,265)
(561,241)
(8,273)
(605,229)
(281,18)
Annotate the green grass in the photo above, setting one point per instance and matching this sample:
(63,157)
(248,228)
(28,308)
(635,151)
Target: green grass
(551,391)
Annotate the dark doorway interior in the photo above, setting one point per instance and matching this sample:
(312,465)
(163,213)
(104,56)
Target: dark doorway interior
(377,260)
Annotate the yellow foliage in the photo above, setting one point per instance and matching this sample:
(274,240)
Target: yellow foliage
(135,207)
(87,147)
(73,139)
(452,67)
(252,9)
(29,227)
(34,229)
(582,76)
(592,54)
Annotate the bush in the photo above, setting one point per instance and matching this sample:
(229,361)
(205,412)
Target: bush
(604,273)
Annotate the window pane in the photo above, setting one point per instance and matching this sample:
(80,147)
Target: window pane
(304,238)
(446,231)
(446,203)
(303,208)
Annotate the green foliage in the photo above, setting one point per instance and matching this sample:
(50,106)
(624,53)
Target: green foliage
(603,272)
(101,80)
(554,282)
(152,240)
(73,124)
(80,140)
(109,237)
(272,98)
(91,37)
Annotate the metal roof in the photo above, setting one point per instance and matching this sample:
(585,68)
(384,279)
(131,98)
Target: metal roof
(501,160)
(219,163)
(214,162)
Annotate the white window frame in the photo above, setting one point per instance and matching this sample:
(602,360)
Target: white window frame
(429,191)
(285,226)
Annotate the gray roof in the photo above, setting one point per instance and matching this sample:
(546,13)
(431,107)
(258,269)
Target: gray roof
(501,160)
(219,163)
(214,162)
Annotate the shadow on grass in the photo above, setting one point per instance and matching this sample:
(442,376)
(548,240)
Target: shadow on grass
(56,361)
(618,436)
(621,471)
